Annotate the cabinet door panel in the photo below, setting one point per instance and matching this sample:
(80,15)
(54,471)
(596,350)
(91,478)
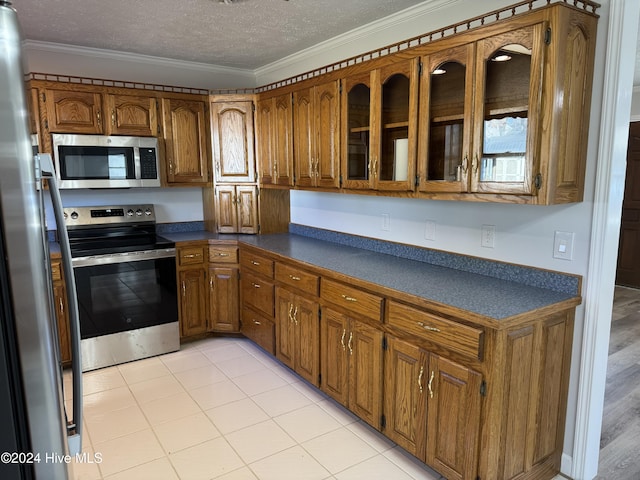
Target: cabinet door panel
(283,154)
(247,207)
(185,135)
(233,151)
(304,134)
(265,135)
(453,423)
(193,301)
(365,372)
(224,305)
(285,331)
(327,142)
(131,115)
(74,112)
(405,397)
(307,342)
(226,212)
(334,355)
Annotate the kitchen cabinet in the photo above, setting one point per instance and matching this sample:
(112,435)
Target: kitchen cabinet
(233,141)
(257,299)
(298,334)
(186,133)
(131,115)
(351,364)
(316,130)
(61,308)
(236,208)
(432,408)
(73,111)
(224,289)
(274,140)
(192,283)
(380,128)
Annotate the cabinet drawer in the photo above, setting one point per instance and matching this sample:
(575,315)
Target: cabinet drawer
(257,293)
(352,299)
(56,271)
(449,334)
(191,255)
(259,329)
(257,263)
(223,254)
(293,276)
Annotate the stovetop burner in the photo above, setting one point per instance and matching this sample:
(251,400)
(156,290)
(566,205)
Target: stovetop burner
(113,229)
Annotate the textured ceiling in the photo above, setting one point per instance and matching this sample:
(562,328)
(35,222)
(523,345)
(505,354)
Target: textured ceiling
(245,34)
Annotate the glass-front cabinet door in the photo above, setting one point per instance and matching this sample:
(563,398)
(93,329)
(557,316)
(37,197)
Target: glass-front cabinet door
(380,118)
(446,106)
(507,111)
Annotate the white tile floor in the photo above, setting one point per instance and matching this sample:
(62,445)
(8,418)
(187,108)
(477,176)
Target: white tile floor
(223,409)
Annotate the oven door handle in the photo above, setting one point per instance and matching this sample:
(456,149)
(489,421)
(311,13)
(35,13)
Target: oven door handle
(110,258)
(74,428)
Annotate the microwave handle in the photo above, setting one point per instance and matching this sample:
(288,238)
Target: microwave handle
(47,171)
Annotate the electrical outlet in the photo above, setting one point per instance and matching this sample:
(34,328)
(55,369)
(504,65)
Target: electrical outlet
(385,222)
(430,230)
(563,245)
(488,238)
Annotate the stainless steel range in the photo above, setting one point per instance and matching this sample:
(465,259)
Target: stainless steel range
(126,284)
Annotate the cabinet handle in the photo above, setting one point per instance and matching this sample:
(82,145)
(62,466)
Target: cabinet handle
(184,289)
(211,283)
(317,168)
(222,254)
(99,118)
(255,285)
(429,384)
(344,332)
(113,117)
(191,255)
(295,315)
(256,322)
(428,328)
(291,312)
(474,165)
(293,277)
(420,378)
(61,306)
(465,163)
(349,299)
(171,167)
(218,167)
(253,262)
(349,344)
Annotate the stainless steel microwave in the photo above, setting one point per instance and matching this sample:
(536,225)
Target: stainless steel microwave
(100,161)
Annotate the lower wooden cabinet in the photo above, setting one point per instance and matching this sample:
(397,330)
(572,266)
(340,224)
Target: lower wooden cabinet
(298,334)
(260,329)
(224,314)
(61,308)
(236,208)
(432,408)
(351,357)
(193,301)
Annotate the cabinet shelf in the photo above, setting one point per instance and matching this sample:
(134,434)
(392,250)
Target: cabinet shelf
(396,125)
(360,129)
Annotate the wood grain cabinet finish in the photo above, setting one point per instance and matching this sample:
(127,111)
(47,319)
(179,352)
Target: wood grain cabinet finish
(236,208)
(61,308)
(186,134)
(192,284)
(69,111)
(274,140)
(224,289)
(351,364)
(316,130)
(233,141)
(131,115)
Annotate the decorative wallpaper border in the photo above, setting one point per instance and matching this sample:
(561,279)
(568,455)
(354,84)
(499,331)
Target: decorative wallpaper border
(548,279)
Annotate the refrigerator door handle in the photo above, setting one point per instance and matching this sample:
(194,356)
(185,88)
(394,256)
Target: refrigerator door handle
(45,164)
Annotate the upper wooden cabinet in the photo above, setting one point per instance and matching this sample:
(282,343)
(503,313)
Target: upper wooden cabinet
(186,148)
(380,118)
(232,140)
(316,128)
(71,111)
(131,115)
(274,140)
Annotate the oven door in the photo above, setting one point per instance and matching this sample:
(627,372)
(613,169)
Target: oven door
(127,305)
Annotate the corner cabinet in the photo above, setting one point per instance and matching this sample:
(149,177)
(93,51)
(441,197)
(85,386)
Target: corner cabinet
(237,208)
(186,130)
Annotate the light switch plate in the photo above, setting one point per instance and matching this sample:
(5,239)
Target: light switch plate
(563,245)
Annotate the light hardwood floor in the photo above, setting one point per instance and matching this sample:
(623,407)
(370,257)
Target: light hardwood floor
(620,440)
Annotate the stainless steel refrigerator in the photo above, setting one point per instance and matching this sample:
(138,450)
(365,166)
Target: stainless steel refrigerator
(37,434)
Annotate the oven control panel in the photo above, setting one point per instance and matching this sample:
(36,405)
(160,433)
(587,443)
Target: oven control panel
(108,215)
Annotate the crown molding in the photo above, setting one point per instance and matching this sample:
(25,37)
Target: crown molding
(365,31)
(66,49)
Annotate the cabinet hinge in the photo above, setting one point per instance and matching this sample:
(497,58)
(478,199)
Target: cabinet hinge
(538,181)
(547,36)
(483,389)
(419,69)
(384,343)
(383,422)
(417,180)
(340,181)
(44,98)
